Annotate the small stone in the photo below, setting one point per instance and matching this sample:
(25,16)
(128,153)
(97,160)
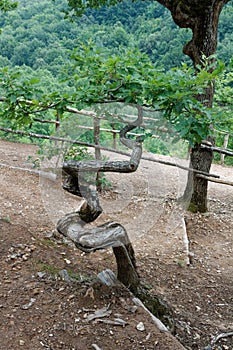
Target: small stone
(8,281)
(197,336)
(67,261)
(65,276)
(41,274)
(140,326)
(36,291)
(21,342)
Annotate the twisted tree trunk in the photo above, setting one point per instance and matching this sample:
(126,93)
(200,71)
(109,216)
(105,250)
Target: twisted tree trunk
(110,234)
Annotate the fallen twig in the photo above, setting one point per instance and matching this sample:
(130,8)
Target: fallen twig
(96,347)
(48,175)
(186,242)
(115,322)
(104,312)
(157,322)
(220,336)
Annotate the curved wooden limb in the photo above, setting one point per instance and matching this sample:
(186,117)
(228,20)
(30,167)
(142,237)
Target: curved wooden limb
(76,168)
(138,122)
(91,209)
(110,234)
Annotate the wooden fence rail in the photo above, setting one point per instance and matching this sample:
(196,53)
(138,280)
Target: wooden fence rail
(223,151)
(97,146)
(115,118)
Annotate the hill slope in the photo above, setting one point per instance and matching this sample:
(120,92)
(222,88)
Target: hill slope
(40,307)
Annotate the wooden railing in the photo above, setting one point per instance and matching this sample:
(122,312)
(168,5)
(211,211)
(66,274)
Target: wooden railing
(208,176)
(97,131)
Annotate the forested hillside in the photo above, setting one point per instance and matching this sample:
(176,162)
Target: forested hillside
(37,35)
(37,40)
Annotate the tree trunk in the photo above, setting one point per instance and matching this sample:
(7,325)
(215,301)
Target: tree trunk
(200,159)
(110,234)
(195,194)
(126,268)
(202,18)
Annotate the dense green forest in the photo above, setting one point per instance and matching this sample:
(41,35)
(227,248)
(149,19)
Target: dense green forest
(37,40)
(37,35)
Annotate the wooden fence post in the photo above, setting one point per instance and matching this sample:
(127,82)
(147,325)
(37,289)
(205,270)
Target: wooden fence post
(225,143)
(58,120)
(114,136)
(96,122)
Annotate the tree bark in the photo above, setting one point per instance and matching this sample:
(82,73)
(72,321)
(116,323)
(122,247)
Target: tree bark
(110,234)
(126,268)
(202,18)
(195,194)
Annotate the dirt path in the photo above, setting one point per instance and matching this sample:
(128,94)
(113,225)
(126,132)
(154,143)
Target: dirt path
(40,308)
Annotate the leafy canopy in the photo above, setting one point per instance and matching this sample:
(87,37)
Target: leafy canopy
(7,5)
(78,7)
(94,77)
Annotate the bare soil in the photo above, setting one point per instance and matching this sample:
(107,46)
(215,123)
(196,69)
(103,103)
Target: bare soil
(49,289)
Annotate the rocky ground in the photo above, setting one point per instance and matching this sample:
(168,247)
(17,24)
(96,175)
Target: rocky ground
(49,294)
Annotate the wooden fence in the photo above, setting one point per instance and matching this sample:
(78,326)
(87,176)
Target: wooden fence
(97,130)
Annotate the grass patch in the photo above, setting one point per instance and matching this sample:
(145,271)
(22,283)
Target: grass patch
(79,277)
(47,242)
(49,269)
(6,219)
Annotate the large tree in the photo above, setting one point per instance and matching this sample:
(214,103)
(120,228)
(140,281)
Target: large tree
(202,17)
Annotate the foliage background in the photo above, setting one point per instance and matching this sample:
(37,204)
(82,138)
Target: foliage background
(37,41)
